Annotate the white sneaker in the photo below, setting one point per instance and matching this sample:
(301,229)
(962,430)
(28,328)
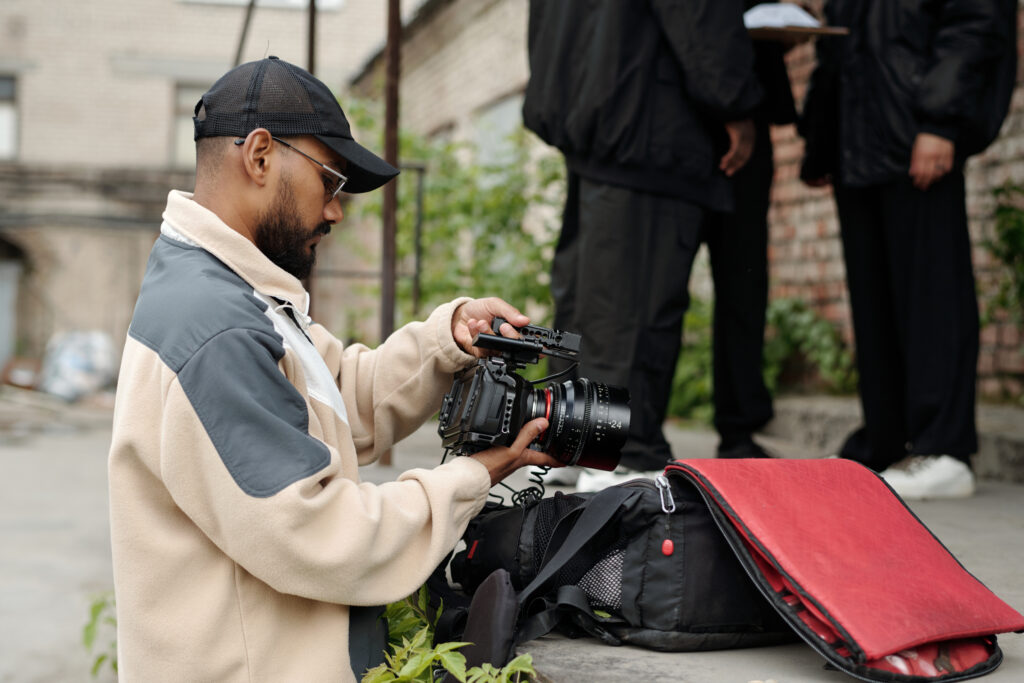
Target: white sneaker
(597,480)
(924,477)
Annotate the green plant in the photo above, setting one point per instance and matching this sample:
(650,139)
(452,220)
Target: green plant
(692,382)
(102,626)
(474,241)
(796,334)
(799,344)
(1008,246)
(414,657)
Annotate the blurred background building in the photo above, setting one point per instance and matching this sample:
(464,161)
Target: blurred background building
(96,103)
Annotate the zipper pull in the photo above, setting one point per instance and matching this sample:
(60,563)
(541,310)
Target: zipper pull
(665,491)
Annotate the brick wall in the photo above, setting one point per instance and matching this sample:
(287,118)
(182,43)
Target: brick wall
(806,256)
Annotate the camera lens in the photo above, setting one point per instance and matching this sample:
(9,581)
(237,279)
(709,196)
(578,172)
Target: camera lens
(588,422)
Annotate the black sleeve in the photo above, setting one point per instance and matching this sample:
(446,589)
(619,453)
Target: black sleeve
(971,37)
(715,52)
(818,123)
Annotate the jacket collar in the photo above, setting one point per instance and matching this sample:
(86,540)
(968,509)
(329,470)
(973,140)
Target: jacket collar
(195,224)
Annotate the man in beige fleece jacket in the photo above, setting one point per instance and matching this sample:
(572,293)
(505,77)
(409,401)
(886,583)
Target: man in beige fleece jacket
(245,547)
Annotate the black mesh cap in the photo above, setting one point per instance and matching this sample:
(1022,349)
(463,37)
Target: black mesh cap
(287,100)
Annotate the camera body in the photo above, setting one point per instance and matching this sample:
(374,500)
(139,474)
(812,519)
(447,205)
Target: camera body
(489,402)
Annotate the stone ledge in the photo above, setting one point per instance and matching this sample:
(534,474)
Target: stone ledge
(822,422)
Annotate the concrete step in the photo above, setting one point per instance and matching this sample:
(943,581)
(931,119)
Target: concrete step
(821,423)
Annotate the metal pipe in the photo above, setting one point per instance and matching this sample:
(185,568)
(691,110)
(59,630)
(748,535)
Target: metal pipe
(311,43)
(390,205)
(245,31)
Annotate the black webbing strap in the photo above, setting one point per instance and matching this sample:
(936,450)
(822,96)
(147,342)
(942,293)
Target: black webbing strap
(599,510)
(570,603)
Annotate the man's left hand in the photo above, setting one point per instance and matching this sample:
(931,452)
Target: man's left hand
(930,159)
(474,317)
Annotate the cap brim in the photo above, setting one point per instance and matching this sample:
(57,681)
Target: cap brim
(365,170)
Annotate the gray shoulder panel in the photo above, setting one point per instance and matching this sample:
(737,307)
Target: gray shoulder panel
(188,297)
(206,325)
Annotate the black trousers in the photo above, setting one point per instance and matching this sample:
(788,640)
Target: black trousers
(738,247)
(620,278)
(915,319)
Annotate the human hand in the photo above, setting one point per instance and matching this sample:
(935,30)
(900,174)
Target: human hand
(474,317)
(741,145)
(502,461)
(930,159)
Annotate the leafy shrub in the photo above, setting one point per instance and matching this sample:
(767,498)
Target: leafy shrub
(1008,246)
(800,348)
(414,657)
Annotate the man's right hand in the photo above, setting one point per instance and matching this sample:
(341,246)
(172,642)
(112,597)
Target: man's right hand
(502,461)
(742,136)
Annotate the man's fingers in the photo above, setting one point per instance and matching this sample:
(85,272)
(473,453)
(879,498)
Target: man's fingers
(528,434)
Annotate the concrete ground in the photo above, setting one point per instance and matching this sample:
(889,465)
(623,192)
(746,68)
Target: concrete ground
(56,557)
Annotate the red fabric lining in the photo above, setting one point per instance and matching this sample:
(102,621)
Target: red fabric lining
(839,533)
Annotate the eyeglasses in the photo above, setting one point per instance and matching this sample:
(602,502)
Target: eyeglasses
(333,180)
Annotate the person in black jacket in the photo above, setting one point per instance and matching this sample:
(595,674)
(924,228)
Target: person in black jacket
(892,114)
(738,246)
(650,102)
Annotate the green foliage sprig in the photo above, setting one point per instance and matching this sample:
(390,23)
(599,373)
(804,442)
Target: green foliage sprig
(692,383)
(415,658)
(796,336)
(796,333)
(1007,245)
(102,626)
(474,242)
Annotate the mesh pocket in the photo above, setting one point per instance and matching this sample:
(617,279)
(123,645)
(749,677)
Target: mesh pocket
(603,583)
(549,512)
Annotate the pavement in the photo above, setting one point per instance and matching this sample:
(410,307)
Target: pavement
(56,548)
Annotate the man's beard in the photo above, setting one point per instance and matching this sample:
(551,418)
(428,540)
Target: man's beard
(282,239)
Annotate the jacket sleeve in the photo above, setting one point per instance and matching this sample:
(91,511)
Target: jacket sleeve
(237,459)
(715,52)
(391,390)
(818,123)
(971,37)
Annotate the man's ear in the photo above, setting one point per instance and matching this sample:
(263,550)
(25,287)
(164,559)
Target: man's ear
(256,155)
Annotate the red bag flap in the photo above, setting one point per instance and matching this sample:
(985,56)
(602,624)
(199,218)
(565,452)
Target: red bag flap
(851,550)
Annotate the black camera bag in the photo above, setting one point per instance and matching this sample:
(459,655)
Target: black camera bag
(637,563)
(725,553)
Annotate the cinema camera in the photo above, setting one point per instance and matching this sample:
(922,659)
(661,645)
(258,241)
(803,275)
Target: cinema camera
(489,402)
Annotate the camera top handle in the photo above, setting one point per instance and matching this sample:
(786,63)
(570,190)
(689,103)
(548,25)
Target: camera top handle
(534,342)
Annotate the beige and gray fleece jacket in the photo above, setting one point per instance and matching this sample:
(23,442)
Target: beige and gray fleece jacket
(242,535)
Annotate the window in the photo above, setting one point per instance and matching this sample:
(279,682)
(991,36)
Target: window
(493,128)
(183,151)
(8,118)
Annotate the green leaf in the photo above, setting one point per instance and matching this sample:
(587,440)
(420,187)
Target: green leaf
(454,663)
(378,674)
(97,664)
(452,645)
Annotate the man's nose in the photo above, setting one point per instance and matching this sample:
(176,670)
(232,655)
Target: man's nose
(332,211)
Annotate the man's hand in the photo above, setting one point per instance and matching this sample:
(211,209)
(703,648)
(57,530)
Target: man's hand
(741,145)
(502,461)
(474,317)
(930,159)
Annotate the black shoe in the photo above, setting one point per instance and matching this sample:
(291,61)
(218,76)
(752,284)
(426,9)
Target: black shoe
(744,447)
